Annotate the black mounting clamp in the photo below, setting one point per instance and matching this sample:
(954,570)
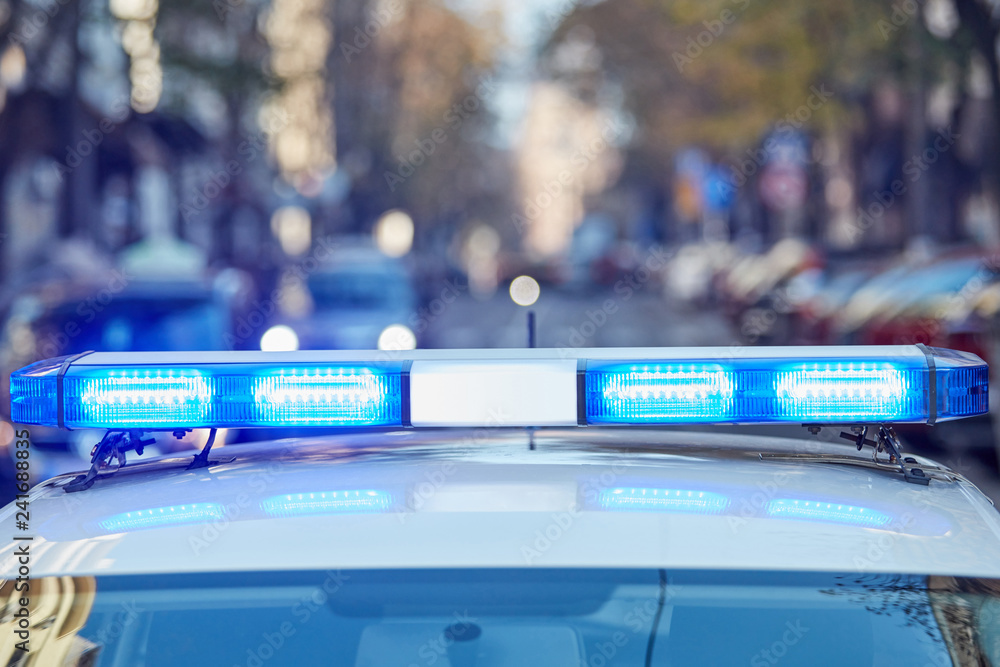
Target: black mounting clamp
(887,441)
(114,445)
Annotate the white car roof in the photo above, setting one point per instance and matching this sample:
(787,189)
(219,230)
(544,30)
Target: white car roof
(485,498)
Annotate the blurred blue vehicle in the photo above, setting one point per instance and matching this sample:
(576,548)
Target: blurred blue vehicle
(112,313)
(357,299)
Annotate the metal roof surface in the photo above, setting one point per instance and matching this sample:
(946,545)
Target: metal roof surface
(443,499)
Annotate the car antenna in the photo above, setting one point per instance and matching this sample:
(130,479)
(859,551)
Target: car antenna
(531,344)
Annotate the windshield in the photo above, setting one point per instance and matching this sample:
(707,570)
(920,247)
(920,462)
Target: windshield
(461,618)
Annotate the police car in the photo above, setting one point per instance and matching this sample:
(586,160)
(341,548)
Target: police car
(505,507)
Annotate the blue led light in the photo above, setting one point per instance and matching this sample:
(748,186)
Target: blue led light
(328,502)
(165,396)
(324,396)
(811,510)
(663,500)
(152,398)
(758,389)
(679,392)
(902,384)
(157,517)
(852,390)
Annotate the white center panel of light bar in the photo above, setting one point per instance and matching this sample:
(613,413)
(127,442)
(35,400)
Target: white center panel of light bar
(493,393)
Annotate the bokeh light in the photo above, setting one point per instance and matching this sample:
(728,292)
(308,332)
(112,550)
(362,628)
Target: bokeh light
(394,233)
(397,337)
(292,226)
(524,290)
(279,338)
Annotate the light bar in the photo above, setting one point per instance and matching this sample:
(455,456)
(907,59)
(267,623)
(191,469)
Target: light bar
(837,388)
(512,388)
(168,396)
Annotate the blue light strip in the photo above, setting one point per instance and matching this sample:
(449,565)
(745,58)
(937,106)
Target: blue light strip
(167,391)
(328,502)
(762,390)
(811,510)
(663,500)
(210,395)
(174,515)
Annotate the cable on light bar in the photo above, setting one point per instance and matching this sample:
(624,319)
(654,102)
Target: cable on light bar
(328,502)
(811,510)
(663,500)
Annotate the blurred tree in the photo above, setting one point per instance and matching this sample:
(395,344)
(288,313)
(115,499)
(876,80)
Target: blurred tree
(722,73)
(412,89)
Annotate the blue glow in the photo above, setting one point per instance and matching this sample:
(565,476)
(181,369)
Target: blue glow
(323,396)
(679,392)
(840,385)
(663,500)
(157,517)
(761,390)
(852,390)
(162,397)
(328,502)
(212,395)
(811,510)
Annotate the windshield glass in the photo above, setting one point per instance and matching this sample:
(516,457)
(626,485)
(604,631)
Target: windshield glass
(514,617)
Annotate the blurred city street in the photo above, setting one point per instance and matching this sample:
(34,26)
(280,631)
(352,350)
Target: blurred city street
(300,175)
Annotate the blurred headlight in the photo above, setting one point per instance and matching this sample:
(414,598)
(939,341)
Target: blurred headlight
(397,337)
(279,339)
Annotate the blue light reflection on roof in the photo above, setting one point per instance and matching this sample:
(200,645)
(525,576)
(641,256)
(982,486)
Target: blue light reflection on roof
(157,517)
(812,510)
(663,500)
(328,502)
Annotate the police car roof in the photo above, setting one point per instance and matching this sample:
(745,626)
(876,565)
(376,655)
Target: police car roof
(580,498)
